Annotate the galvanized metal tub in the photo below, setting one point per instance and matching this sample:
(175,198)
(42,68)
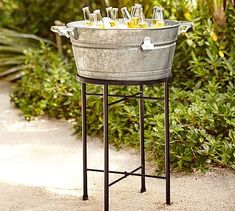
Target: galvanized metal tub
(123,54)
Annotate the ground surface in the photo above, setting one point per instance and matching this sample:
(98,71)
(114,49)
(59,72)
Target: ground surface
(41,163)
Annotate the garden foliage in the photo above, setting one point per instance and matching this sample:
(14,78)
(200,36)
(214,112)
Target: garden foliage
(13,46)
(202,96)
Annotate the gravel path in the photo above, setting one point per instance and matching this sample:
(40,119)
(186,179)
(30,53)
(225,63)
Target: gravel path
(41,163)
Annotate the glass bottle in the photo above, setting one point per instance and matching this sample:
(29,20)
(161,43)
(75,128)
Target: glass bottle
(158,20)
(93,21)
(86,14)
(115,14)
(135,12)
(114,17)
(99,19)
(126,16)
(112,14)
(109,12)
(138,19)
(133,9)
(142,22)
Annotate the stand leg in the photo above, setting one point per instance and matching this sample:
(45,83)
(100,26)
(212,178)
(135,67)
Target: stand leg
(142,150)
(84,141)
(106,149)
(167,144)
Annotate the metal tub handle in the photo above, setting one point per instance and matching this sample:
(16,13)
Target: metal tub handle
(149,46)
(184,26)
(65,31)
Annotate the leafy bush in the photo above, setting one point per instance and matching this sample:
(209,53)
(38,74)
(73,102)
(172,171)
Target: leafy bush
(12,52)
(203,56)
(37,16)
(47,87)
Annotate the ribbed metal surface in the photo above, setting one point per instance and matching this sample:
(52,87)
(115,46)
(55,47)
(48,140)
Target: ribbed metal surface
(116,54)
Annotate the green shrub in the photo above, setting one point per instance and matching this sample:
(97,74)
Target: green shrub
(12,52)
(47,87)
(204,56)
(33,16)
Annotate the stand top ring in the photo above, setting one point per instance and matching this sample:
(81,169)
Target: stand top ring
(119,82)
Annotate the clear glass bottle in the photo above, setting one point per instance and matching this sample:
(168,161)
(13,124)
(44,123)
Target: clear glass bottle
(115,14)
(86,14)
(126,16)
(135,12)
(142,22)
(114,17)
(99,19)
(138,19)
(109,12)
(112,14)
(157,20)
(93,21)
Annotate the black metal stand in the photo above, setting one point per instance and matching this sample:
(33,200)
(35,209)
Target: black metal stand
(141,97)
